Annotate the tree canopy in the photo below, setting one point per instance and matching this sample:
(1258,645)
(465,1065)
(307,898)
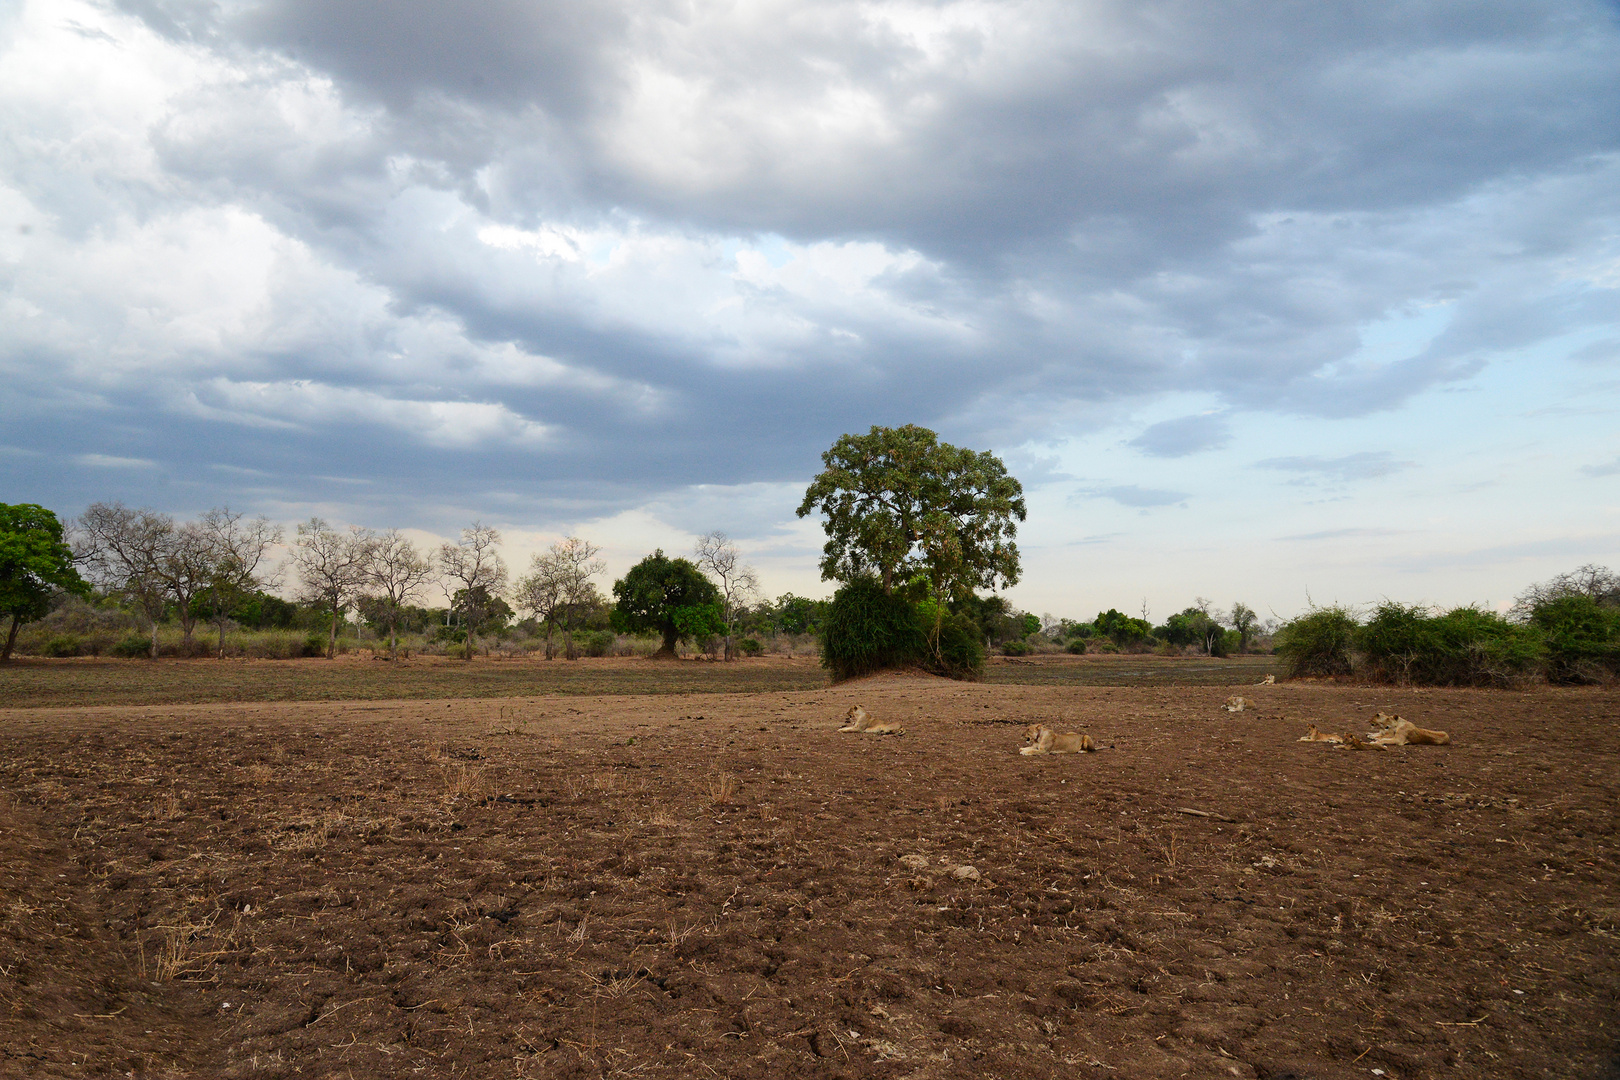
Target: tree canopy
(667,596)
(34,561)
(899,503)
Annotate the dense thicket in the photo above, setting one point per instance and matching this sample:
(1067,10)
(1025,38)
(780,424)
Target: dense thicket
(1560,633)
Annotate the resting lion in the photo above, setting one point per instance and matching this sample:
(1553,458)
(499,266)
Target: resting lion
(1320,736)
(1269,680)
(1043,740)
(1399,732)
(1235,704)
(860,720)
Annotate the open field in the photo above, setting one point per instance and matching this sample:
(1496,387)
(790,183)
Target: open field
(720,884)
(82,682)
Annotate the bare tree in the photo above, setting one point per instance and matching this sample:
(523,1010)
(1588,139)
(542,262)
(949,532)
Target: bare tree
(540,593)
(577,563)
(718,557)
(558,589)
(1598,582)
(237,548)
(396,572)
(475,576)
(122,550)
(331,568)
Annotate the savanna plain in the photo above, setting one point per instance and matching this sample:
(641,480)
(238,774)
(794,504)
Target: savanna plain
(623,867)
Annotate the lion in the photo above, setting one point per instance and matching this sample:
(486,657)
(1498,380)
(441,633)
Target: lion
(860,720)
(1352,741)
(1043,740)
(1269,680)
(1320,736)
(1236,704)
(1406,733)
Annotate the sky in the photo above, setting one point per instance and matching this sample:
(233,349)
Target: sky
(1278,303)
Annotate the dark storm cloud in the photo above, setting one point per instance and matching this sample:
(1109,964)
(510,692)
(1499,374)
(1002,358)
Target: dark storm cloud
(987,223)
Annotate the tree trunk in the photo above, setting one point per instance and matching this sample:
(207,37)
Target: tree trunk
(11,639)
(667,652)
(154,639)
(393,638)
(221,655)
(331,640)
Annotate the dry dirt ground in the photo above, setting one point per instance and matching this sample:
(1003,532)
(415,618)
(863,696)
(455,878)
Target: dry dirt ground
(723,885)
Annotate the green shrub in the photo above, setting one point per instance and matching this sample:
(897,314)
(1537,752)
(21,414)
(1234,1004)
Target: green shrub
(868,630)
(1103,645)
(315,645)
(750,647)
(1395,640)
(132,645)
(1318,643)
(1077,646)
(1582,639)
(1015,648)
(1463,647)
(958,651)
(597,642)
(62,645)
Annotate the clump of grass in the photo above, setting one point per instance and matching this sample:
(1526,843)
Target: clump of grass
(463,781)
(722,789)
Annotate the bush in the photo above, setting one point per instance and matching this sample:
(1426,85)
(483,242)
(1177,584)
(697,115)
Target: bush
(1318,643)
(1015,648)
(132,645)
(959,654)
(597,642)
(750,647)
(1582,639)
(1463,647)
(62,645)
(1077,646)
(868,630)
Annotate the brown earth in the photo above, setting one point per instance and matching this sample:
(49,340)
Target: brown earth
(722,885)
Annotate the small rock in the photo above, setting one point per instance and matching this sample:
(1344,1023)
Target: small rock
(965,873)
(914,862)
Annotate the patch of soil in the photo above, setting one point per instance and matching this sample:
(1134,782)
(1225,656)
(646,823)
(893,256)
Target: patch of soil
(722,884)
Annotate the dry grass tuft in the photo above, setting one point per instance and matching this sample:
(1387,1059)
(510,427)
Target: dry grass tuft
(722,788)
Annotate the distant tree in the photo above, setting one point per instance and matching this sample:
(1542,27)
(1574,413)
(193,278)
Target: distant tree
(1245,622)
(1121,629)
(236,549)
(35,561)
(718,557)
(394,574)
(899,502)
(669,597)
(1597,583)
(122,550)
(558,589)
(474,571)
(332,569)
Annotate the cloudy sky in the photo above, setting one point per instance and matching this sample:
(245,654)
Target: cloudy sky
(1261,301)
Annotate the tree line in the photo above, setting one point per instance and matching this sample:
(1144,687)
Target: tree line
(217,572)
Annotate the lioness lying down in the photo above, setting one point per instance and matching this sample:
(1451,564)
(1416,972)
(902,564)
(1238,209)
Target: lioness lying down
(1269,680)
(1235,704)
(1043,740)
(860,720)
(1320,736)
(1391,730)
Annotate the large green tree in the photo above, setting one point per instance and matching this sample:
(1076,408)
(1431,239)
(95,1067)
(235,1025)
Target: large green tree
(900,503)
(34,561)
(669,597)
